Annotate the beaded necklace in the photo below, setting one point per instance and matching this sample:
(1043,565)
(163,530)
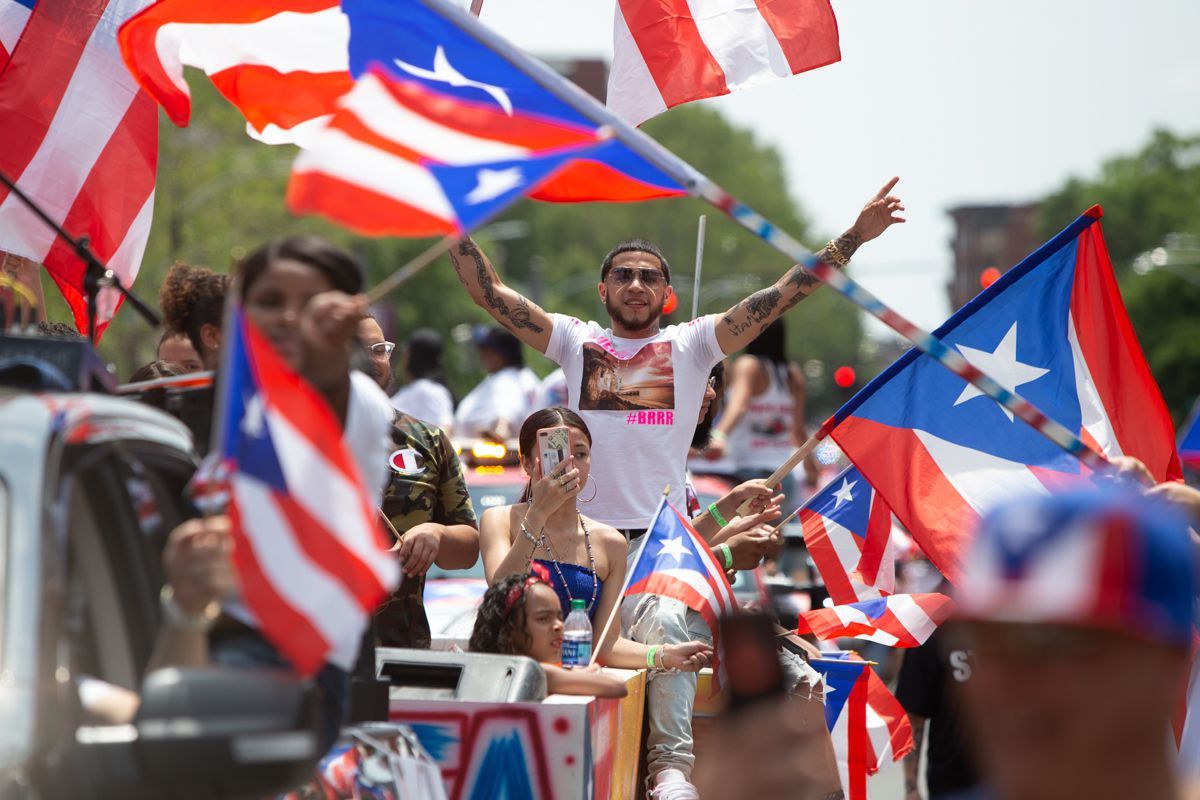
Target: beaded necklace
(587,541)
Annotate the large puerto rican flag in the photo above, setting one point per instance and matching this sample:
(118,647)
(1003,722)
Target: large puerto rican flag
(669,52)
(311,559)
(1054,329)
(79,137)
(848,531)
(410,124)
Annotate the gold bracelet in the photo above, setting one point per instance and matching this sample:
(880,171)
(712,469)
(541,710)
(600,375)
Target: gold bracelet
(836,254)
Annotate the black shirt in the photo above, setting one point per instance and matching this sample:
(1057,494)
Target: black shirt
(927,686)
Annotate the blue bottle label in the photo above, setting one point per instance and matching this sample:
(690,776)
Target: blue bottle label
(576,653)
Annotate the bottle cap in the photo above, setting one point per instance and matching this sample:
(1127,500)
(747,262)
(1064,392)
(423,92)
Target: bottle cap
(578,605)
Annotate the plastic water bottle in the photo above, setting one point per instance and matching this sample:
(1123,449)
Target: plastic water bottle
(577,637)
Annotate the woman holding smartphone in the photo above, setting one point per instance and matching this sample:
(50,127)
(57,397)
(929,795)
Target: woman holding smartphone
(585,559)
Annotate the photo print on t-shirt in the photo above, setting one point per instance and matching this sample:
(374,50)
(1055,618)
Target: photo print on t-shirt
(646,381)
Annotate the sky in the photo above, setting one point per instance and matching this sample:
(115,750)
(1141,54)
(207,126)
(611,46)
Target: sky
(967,101)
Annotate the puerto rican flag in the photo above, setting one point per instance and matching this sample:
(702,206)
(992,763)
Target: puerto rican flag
(848,530)
(312,561)
(669,52)
(868,725)
(899,620)
(79,137)
(675,561)
(14,14)
(1054,329)
(439,132)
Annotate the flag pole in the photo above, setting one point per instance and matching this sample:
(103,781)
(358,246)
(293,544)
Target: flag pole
(699,185)
(798,455)
(699,264)
(612,614)
(402,275)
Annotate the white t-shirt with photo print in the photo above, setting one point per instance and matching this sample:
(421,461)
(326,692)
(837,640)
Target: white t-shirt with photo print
(641,399)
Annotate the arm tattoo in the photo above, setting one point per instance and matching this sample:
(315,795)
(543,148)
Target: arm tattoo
(518,318)
(753,311)
(802,279)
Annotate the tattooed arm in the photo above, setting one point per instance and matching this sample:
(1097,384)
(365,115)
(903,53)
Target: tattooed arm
(525,318)
(741,324)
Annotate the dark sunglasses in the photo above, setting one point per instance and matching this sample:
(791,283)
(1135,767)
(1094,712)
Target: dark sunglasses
(624,276)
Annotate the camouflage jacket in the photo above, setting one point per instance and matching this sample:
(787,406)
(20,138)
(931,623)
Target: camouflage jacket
(425,485)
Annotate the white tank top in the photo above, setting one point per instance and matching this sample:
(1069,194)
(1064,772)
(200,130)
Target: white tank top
(763,436)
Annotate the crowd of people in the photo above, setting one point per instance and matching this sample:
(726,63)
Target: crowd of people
(637,397)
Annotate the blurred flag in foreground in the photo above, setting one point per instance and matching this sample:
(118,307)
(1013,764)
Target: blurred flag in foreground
(669,52)
(674,561)
(312,561)
(899,620)
(1054,329)
(80,138)
(867,724)
(848,530)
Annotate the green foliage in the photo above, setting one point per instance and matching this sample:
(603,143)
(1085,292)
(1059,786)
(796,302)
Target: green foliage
(1146,196)
(220,194)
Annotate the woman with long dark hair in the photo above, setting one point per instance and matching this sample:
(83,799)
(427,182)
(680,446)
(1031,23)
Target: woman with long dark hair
(585,559)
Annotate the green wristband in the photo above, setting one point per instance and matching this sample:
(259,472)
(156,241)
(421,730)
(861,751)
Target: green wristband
(650,656)
(715,514)
(726,555)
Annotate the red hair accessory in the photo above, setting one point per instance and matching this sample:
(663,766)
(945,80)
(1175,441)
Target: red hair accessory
(537,574)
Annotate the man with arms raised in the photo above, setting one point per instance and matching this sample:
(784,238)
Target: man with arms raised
(639,386)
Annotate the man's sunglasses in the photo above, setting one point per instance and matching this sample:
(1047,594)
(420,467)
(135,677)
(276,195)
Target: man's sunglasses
(623,276)
(382,348)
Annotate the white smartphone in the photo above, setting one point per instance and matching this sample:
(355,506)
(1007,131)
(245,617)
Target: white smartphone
(553,447)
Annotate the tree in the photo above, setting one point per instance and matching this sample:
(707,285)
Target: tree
(1146,196)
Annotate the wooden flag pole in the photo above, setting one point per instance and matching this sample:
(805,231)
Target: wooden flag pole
(476,7)
(699,264)
(400,276)
(798,455)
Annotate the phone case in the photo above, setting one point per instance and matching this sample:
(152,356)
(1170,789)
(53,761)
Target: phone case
(553,444)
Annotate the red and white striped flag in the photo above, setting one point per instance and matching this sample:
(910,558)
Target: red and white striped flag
(14,14)
(81,139)
(282,63)
(669,52)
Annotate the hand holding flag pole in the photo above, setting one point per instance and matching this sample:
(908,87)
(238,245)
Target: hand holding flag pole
(699,185)
(798,455)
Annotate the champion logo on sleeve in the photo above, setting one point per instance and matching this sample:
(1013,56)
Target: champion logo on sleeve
(405,462)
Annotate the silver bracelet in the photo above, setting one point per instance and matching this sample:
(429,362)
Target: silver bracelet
(175,615)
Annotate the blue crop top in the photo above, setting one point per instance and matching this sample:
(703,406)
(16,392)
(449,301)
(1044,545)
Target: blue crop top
(579,581)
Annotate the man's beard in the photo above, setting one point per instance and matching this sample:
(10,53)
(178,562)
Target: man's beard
(617,314)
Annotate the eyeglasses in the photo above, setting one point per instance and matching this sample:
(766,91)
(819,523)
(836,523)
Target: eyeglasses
(624,276)
(382,348)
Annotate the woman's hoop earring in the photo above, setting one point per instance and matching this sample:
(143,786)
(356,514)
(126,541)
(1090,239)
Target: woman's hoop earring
(595,489)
